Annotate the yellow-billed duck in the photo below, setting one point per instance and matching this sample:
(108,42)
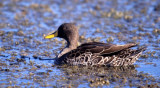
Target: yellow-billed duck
(92,53)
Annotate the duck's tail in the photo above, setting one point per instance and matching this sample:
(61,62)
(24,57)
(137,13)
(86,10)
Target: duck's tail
(129,56)
(135,55)
(140,50)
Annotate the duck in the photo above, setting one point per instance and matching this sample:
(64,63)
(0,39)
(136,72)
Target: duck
(92,53)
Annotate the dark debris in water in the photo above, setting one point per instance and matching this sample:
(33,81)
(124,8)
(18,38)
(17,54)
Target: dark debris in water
(157,7)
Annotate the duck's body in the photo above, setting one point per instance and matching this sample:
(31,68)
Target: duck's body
(93,53)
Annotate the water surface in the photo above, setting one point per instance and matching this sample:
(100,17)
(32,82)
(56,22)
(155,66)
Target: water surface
(23,23)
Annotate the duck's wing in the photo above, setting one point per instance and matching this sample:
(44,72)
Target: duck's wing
(103,48)
(92,43)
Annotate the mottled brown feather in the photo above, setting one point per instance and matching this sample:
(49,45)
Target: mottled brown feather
(103,48)
(116,48)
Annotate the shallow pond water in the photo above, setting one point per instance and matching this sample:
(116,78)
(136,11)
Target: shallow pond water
(27,59)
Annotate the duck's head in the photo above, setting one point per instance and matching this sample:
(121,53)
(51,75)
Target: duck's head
(67,31)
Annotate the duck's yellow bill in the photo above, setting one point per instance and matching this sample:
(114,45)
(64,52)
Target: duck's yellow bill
(51,35)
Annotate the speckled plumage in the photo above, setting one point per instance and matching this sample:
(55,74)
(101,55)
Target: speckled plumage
(100,54)
(94,53)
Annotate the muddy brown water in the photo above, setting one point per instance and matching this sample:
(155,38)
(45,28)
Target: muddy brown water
(22,47)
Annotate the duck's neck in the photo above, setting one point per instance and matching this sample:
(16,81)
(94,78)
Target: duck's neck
(73,44)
